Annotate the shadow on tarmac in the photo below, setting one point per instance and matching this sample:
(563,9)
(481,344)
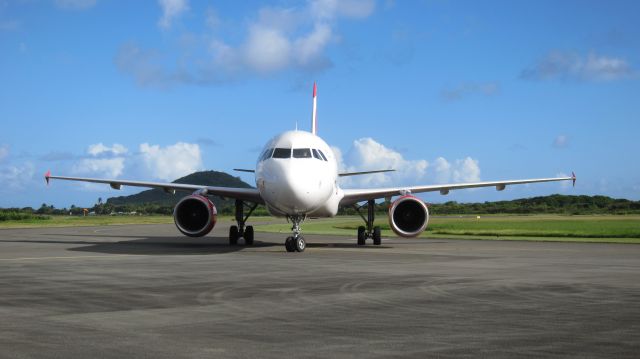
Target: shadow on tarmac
(169,245)
(179,246)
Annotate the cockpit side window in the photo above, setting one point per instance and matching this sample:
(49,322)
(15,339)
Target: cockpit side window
(315,154)
(301,153)
(322,155)
(267,154)
(282,153)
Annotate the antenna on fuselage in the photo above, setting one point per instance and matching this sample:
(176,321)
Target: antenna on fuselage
(314,122)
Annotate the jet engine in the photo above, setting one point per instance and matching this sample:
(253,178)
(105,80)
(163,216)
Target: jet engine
(195,215)
(408,216)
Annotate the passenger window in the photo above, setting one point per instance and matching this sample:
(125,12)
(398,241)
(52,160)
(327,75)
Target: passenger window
(323,156)
(282,153)
(301,153)
(315,154)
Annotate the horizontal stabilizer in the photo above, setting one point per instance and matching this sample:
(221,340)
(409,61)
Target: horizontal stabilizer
(243,170)
(345,174)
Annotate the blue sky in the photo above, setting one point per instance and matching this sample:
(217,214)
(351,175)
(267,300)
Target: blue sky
(444,91)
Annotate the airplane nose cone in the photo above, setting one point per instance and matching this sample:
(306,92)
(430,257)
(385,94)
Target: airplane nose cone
(298,191)
(295,190)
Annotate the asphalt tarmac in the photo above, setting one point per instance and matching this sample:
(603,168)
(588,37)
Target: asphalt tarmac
(145,291)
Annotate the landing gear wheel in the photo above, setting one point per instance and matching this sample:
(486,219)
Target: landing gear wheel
(362,236)
(299,244)
(248,236)
(288,244)
(233,235)
(377,236)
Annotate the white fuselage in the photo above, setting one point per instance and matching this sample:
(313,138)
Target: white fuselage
(297,174)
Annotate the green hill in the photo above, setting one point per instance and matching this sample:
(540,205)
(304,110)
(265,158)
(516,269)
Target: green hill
(159,198)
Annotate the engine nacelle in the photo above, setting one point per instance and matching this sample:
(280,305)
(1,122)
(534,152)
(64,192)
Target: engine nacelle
(408,216)
(195,215)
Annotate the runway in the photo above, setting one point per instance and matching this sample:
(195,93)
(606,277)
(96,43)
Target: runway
(146,291)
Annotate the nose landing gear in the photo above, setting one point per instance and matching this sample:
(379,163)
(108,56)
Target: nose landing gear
(296,242)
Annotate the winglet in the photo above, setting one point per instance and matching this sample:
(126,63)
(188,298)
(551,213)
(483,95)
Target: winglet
(573,178)
(314,123)
(47,176)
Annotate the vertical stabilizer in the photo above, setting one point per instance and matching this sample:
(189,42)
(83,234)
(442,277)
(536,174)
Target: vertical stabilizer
(314,119)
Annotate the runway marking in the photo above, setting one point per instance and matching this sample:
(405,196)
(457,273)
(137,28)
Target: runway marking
(68,257)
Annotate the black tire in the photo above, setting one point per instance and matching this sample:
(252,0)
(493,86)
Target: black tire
(248,236)
(377,236)
(288,244)
(233,235)
(362,236)
(299,244)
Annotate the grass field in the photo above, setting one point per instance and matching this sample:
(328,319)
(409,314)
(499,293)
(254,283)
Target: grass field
(619,229)
(615,229)
(73,221)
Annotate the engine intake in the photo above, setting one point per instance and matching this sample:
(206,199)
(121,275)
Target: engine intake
(195,215)
(408,216)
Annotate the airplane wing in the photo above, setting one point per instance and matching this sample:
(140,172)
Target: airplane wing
(352,196)
(346,174)
(245,194)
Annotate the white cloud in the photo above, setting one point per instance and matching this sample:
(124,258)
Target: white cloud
(572,66)
(605,68)
(75,4)
(102,167)
(151,162)
(466,170)
(276,39)
(170,10)
(16,177)
(367,154)
(462,170)
(266,49)
(562,141)
(308,49)
(99,149)
(171,162)
(442,169)
(283,38)
(104,161)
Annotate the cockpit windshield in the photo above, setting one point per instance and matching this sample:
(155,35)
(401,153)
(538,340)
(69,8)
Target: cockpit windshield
(282,153)
(295,153)
(301,153)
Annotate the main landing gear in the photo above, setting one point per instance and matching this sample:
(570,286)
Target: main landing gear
(296,242)
(370,231)
(240,231)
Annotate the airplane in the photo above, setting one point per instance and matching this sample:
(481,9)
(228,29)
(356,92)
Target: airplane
(296,177)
